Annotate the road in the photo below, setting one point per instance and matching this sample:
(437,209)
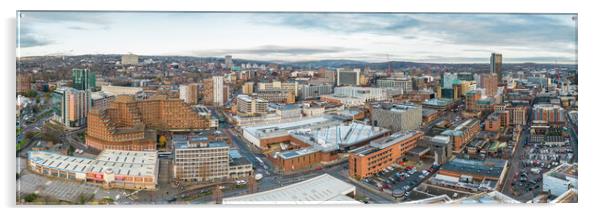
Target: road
(515,161)
(515,164)
(573,130)
(31,127)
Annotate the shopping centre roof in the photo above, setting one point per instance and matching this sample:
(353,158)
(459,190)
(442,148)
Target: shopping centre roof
(334,137)
(127,163)
(283,128)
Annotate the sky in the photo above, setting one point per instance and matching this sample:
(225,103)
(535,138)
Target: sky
(371,37)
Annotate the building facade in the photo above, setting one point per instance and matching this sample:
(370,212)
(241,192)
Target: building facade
(130,124)
(189,93)
(313,91)
(397,117)
(277,95)
(463,133)
(100,99)
(218,90)
(248,87)
(495,65)
(228,61)
(71,106)
(200,160)
(249,106)
(366,94)
(553,114)
(129,59)
(277,85)
(132,170)
(470,102)
(381,153)
(405,84)
(83,79)
(489,83)
(348,77)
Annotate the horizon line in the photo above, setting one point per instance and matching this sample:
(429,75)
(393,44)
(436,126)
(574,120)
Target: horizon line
(302,61)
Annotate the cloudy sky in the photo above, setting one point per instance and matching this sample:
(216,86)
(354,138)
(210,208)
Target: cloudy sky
(437,38)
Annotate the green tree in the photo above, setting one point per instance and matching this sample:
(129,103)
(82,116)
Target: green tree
(84,198)
(71,150)
(29,134)
(30,197)
(30,93)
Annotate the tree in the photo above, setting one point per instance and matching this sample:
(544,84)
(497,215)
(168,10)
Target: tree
(84,198)
(30,197)
(71,150)
(30,93)
(29,134)
(48,133)
(162,141)
(36,108)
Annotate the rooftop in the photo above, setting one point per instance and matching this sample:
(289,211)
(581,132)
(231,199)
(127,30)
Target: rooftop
(330,138)
(283,128)
(441,139)
(323,189)
(459,129)
(490,167)
(130,163)
(385,142)
(296,153)
(438,102)
(397,107)
(428,112)
(100,95)
(487,100)
(494,197)
(564,171)
(444,198)
(248,98)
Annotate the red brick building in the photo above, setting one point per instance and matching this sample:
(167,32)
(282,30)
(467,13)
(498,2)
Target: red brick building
(379,154)
(130,124)
(463,133)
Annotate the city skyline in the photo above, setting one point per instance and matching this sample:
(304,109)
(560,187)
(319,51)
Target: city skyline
(371,37)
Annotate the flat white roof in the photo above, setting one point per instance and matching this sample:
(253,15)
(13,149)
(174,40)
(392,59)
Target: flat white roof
(126,163)
(323,189)
(494,197)
(272,129)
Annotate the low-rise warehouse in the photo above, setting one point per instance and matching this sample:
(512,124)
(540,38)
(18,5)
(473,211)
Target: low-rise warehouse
(560,179)
(112,168)
(323,189)
(472,175)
